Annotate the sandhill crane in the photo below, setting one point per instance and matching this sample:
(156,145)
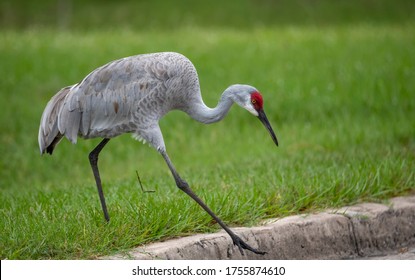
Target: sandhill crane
(131,95)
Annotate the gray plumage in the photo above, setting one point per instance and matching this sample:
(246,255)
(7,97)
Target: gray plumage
(131,95)
(126,95)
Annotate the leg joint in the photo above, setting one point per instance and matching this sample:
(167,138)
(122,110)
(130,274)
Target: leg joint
(182,184)
(93,157)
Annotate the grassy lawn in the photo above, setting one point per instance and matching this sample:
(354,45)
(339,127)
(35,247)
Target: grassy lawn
(339,92)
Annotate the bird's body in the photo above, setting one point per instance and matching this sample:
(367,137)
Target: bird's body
(131,95)
(126,95)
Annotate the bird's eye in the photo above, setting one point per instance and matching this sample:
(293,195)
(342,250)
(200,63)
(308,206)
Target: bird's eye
(253,101)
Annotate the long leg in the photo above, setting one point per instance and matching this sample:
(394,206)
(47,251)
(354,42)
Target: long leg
(182,184)
(93,160)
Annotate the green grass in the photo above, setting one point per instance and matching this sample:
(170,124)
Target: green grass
(340,97)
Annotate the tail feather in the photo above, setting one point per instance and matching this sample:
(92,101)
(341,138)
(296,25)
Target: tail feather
(49,134)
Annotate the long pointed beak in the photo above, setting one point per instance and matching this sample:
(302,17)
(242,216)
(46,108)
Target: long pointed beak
(263,118)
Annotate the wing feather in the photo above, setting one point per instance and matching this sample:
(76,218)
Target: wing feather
(106,101)
(103,102)
(48,130)
(69,118)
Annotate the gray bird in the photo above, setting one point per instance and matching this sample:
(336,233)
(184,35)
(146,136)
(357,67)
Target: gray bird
(131,95)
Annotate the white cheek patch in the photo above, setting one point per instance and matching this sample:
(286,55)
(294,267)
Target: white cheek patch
(251,109)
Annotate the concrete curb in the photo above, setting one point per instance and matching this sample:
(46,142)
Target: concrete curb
(355,231)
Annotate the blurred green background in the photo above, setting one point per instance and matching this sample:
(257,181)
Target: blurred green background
(338,80)
(160,14)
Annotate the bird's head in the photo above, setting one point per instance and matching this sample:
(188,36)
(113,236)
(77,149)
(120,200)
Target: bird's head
(250,99)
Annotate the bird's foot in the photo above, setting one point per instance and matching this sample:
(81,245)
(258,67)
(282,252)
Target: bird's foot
(237,241)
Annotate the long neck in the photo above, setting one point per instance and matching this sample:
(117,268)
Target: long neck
(204,114)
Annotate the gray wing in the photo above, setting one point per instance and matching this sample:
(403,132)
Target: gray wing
(48,129)
(104,103)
